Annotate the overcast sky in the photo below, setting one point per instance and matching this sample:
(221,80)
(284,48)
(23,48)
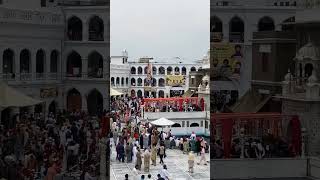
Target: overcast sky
(160,28)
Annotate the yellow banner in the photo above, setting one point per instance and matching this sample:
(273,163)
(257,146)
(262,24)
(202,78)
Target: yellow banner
(175,80)
(226,59)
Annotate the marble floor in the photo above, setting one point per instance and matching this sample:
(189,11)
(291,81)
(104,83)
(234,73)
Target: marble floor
(177,164)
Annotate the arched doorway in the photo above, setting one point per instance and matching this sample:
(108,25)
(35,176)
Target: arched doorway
(139,93)
(216,29)
(74,101)
(308,68)
(161,94)
(266,24)
(146,94)
(25,62)
(133,70)
(95,65)
(169,70)
(161,82)
(133,82)
(74,65)
(177,71)
(139,70)
(184,71)
(53,107)
(192,69)
(96,29)
(162,70)
(133,93)
(95,102)
(54,61)
(8,62)
(40,64)
(139,82)
(74,29)
(154,70)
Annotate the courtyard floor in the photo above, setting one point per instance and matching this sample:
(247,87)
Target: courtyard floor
(177,164)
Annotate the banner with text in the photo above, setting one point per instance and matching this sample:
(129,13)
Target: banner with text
(175,80)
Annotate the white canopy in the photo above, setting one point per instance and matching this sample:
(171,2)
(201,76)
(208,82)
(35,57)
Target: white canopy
(10,97)
(114,92)
(162,122)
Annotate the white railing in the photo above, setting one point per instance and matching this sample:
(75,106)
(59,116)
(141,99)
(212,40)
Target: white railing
(26,76)
(8,77)
(182,131)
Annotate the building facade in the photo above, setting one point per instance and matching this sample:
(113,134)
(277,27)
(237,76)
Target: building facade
(57,52)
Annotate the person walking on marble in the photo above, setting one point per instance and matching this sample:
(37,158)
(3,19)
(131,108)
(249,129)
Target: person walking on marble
(191,161)
(203,157)
(154,155)
(139,160)
(146,160)
(162,152)
(128,152)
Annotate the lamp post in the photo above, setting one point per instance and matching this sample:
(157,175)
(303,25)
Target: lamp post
(303,139)
(242,142)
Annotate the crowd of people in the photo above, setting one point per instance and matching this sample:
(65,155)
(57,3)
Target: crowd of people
(141,143)
(172,107)
(258,148)
(39,147)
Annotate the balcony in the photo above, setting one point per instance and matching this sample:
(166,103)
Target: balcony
(8,76)
(216,36)
(236,37)
(26,76)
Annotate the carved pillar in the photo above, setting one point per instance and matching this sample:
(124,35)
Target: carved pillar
(84,68)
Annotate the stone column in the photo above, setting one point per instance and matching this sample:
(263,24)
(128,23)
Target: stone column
(17,64)
(225,32)
(33,59)
(84,68)
(84,103)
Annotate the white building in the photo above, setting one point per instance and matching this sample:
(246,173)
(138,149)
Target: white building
(57,51)
(234,21)
(130,77)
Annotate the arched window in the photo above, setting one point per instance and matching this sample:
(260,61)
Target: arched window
(139,93)
(266,24)
(162,70)
(54,61)
(40,64)
(139,82)
(74,31)
(112,81)
(127,81)
(146,70)
(154,70)
(176,125)
(133,82)
(308,68)
(194,125)
(184,71)
(193,69)
(96,29)
(95,65)
(161,94)
(139,70)
(74,65)
(25,63)
(122,81)
(236,30)
(169,70)
(216,30)
(177,71)
(117,81)
(161,82)
(8,62)
(133,70)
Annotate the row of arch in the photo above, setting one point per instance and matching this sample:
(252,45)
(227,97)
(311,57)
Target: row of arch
(25,66)
(237,27)
(146,94)
(161,70)
(75,66)
(137,82)
(95,30)
(94,101)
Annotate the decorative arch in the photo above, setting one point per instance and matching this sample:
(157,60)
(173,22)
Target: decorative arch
(162,70)
(133,70)
(140,71)
(176,125)
(169,70)
(236,30)
(139,93)
(266,24)
(112,81)
(74,29)
(40,63)
(139,82)
(95,102)
(8,65)
(74,100)
(133,82)
(194,125)
(54,61)
(96,29)
(25,62)
(74,64)
(161,82)
(118,81)
(95,65)
(161,94)
(192,69)
(184,70)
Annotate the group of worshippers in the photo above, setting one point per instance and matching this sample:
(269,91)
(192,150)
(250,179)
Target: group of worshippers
(173,106)
(43,147)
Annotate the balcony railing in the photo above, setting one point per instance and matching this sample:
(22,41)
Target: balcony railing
(8,76)
(216,36)
(40,76)
(94,36)
(52,76)
(236,37)
(25,76)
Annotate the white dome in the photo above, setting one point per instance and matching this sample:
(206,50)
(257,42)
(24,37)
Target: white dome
(308,51)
